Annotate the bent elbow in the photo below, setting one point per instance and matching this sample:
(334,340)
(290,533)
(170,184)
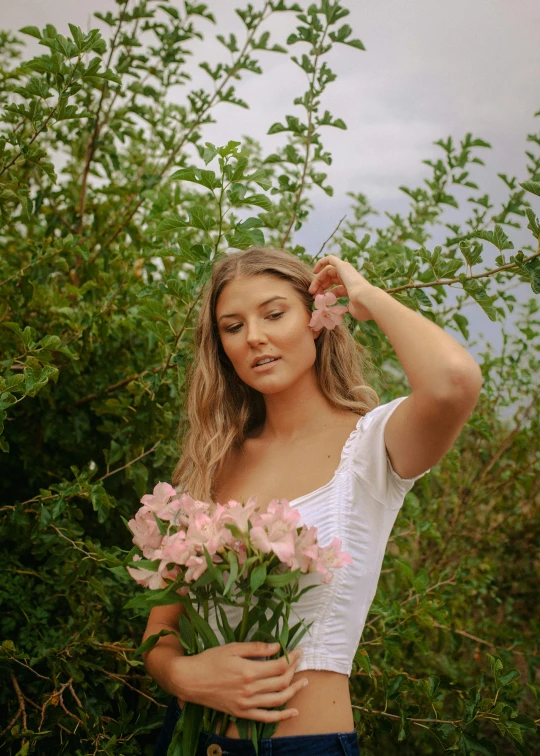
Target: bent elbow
(464,384)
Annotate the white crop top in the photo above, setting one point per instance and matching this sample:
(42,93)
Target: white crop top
(359,505)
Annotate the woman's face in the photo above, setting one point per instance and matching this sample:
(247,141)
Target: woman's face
(264,316)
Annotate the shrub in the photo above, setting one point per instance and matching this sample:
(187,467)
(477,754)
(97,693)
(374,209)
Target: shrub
(114,209)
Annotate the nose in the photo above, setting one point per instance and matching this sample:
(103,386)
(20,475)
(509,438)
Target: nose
(255,333)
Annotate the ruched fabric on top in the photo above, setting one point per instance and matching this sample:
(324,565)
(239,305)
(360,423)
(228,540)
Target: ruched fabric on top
(359,505)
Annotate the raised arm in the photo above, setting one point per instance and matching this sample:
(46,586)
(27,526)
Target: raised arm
(445,380)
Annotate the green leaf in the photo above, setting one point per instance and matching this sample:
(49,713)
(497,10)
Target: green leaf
(161,525)
(533,269)
(154,309)
(151,641)
(233,562)
(187,636)
(471,252)
(33,31)
(212,568)
(534,224)
(284,634)
(362,659)
(509,676)
(481,745)
(257,577)
(531,186)
(501,240)
(200,219)
(192,725)
(210,639)
(260,200)
(226,629)
(280,581)
(172,223)
(496,666)
(462,323)
(478,292)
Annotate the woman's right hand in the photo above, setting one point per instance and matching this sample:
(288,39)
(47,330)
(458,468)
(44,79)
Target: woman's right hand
(228,680)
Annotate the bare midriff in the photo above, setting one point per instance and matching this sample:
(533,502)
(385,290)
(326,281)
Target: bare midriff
(323,706)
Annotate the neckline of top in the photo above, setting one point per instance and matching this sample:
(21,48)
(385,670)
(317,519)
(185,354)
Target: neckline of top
(343,456)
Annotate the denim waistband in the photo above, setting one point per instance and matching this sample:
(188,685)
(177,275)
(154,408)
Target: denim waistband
(324,744)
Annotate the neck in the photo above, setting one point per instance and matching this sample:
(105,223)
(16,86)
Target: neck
(297,412)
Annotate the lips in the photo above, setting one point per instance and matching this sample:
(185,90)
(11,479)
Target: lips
(265,365)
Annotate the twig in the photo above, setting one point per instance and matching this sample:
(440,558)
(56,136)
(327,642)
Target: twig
(132,461)
(21,711)
(27,667)
(334,232)
(475,638)
(78,548)
(308,140)
(409,719)
(448,281)
(30,265)
(92,143)
(113,646)
(136,690)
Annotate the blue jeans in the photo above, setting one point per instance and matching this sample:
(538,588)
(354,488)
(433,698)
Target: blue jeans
(331,744)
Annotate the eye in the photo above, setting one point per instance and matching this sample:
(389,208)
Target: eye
(272,316)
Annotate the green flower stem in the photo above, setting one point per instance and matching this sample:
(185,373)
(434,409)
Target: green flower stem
(243,633)
(243,626)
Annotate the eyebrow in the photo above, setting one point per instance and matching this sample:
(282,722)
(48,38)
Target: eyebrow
(235,314)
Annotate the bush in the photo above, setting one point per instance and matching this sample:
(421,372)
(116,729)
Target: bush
(114,209)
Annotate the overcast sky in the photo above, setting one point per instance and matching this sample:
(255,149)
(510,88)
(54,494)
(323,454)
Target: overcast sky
(431,69)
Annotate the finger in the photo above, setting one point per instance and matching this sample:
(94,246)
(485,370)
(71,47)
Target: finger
(275,683)
(255,648)
(274,667)
(340,291)
(326,260)
(274,715)
(278,698)
(324,279)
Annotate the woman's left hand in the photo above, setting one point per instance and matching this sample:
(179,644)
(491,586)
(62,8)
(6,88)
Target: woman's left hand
(347,282)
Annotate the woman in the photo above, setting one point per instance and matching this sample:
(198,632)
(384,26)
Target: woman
(304,427)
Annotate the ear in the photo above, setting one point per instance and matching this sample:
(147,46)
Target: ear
(316,334)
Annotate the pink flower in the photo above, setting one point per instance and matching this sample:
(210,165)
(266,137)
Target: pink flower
(305,550)
(170,511)
(149,578)
(145,531)
(326,313)
(241,552)
(209,531)
(196,566)
(331,557)
(275,530)
(175,548)
(239,514)
(159,497)
(189,509)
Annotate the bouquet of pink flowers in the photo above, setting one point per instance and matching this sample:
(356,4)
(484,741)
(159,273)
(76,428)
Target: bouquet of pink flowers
(208,557)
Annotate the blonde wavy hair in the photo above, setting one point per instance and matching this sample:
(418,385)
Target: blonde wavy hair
(220,409)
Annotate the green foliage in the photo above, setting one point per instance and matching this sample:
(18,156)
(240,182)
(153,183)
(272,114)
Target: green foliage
(113,209)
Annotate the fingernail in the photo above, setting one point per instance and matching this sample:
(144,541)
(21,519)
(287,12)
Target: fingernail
(306,682)
(294,714)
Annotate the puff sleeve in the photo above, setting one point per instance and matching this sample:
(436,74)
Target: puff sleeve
(371,464)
